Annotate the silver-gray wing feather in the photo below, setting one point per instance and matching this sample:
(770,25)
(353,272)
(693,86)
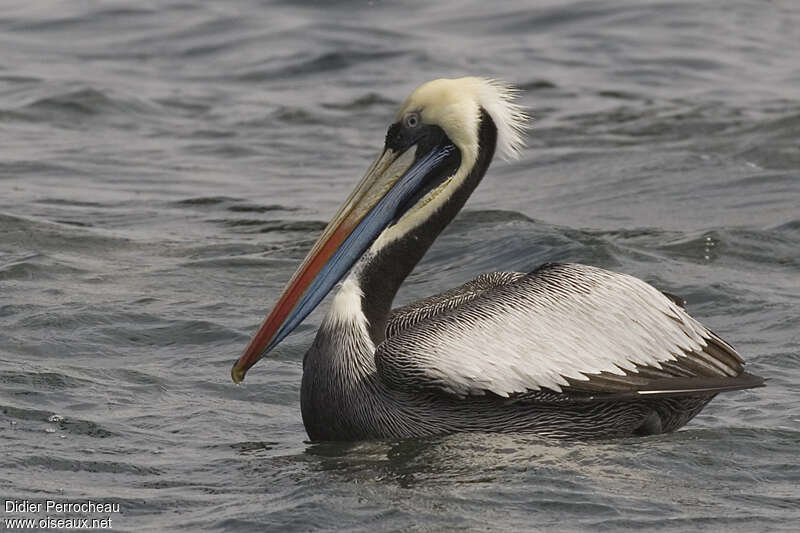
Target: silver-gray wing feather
(562,327)
(409,315)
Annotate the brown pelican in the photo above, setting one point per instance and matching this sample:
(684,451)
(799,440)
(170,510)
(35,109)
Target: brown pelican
(567,350)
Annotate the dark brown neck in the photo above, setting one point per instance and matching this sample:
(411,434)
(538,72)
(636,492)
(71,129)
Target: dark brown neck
(381,276)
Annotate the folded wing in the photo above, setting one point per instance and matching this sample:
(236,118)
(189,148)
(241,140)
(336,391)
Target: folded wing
(565,328)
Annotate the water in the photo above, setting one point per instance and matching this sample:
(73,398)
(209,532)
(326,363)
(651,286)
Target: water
(165,165)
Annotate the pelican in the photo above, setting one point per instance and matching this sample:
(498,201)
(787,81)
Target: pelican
(565,351)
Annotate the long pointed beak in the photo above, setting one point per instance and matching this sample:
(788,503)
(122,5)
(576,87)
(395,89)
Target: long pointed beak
(371,207)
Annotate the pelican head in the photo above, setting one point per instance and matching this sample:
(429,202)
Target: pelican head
(441,142)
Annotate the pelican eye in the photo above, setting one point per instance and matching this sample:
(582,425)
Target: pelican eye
(411,120)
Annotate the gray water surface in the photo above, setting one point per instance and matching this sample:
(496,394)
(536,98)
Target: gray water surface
(164,166)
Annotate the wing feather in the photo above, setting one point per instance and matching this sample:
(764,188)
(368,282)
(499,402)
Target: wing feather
(407,316)
(563,327)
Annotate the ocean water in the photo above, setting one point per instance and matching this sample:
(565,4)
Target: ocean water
(165,165)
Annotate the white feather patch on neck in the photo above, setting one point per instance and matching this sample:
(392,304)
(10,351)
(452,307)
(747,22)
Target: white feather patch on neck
(346,307)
